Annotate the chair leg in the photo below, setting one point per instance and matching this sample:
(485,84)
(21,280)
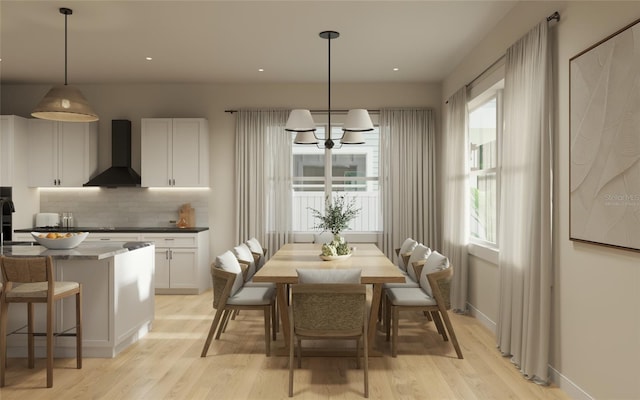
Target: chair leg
(366,361)
(79,328)
(299,353)
(387,316)
(438,321)
(428,315)
(291,348)
(274,320)
(212,329)
(50,318)
(452,334)
(358,353)
(30,341)
(267,330)
(222,326)
(394,334)
(4,308)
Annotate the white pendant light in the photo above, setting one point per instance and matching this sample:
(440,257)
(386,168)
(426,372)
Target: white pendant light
(301,121)
(65,102)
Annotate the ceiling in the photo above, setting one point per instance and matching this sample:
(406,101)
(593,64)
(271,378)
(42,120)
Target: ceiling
(210,41)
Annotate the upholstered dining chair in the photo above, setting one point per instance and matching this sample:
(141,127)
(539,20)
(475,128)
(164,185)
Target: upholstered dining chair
(328,311)
(31,280)
(433,296)
(261,252)
(229,295)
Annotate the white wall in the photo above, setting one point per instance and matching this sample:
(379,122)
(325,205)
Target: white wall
(210,101)
(596,304)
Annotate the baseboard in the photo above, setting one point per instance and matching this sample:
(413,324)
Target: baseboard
(567,386)
(484,320)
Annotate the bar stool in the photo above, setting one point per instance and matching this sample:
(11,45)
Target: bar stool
(30,280)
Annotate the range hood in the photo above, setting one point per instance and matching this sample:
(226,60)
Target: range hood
(120,173)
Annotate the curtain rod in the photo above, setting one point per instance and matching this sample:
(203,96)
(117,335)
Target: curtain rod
(554,16)
(318,111)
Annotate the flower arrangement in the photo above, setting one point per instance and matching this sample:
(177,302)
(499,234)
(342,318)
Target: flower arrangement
(336,218)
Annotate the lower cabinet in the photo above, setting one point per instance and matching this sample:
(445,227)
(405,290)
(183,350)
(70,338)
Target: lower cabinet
(182,262)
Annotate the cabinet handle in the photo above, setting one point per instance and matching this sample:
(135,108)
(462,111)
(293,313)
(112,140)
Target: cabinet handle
(105,239)
(170,254)
(166,254)
(169,238)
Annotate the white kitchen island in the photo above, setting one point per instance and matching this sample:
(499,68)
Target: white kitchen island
(117,298)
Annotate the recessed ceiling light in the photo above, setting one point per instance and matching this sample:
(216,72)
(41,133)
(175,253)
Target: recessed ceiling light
(260,69)
(396,69)
(148,58)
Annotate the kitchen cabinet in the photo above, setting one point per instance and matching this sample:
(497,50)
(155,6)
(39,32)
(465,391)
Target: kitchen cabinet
(182,262)
(175,152)
(62,154)
(12,128)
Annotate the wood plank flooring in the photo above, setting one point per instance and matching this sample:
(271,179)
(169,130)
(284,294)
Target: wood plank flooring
(166,364)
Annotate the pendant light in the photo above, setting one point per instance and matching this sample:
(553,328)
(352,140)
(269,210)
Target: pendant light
(301,121)
(65,102)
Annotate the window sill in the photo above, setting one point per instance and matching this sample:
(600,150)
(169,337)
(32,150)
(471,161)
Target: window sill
(486,253)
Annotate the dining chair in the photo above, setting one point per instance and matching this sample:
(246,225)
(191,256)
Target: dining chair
(229,296)
(256,248)
(31,280)
(328,311)
(433,296)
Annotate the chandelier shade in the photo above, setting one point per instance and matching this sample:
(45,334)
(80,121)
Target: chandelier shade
(358,120)
(65,102)
(300,121)
(305,137)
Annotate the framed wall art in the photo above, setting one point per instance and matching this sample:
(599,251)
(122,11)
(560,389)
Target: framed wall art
(604,172)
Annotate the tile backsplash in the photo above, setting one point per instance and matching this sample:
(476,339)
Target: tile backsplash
(125,207)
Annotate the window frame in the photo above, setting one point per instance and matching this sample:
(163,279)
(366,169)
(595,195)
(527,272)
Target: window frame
(479,247)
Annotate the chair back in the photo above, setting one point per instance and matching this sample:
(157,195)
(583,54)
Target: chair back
(222,282)
(26,269)
(327,309)
(440,282)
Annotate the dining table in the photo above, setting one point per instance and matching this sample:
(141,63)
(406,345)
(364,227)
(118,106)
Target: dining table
(282,267)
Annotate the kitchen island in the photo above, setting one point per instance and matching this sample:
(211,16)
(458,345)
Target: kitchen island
(117,298)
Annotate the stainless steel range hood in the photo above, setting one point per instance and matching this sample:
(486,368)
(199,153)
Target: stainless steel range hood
(120,173)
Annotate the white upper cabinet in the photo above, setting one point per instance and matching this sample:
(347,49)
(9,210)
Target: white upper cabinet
(10,126)
(175,152)
(62,154)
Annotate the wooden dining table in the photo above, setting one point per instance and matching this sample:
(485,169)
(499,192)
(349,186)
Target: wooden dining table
(282,267)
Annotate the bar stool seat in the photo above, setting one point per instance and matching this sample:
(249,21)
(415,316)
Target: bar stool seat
(30,280)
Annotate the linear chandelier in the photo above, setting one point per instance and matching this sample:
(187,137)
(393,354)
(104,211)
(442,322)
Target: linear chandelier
(65,102)
(301,121)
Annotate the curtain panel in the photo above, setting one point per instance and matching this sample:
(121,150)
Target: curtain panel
(263,177)
(455,207)
(408,177)
(525,260)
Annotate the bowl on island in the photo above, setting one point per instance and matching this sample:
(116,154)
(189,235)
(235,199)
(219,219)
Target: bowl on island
(59,240)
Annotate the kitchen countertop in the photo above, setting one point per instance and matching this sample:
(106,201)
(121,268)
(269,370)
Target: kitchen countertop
(134,229)
(84,251)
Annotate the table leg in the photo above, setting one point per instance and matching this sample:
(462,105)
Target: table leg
(373,314)
(283,306)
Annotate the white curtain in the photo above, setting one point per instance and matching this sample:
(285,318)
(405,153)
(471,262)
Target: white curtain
(455,221)
(408,172)
(525,260)
(263,177)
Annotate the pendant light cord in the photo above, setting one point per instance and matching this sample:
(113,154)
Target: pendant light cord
(329,96)
(65,48)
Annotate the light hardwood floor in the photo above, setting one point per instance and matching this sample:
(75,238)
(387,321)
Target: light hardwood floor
(166,364)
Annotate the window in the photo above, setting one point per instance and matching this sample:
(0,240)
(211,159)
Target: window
(353,170)
(485,129)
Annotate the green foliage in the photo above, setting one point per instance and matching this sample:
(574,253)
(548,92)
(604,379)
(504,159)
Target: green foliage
(337,214)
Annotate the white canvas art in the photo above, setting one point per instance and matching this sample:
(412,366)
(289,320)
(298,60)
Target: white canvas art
(605,141)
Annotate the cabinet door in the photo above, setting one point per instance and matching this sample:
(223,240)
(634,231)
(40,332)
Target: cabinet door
(187,143)
(156,152)
(162,269)
(43,153)
(183,268)
(6,151)
(73,157)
